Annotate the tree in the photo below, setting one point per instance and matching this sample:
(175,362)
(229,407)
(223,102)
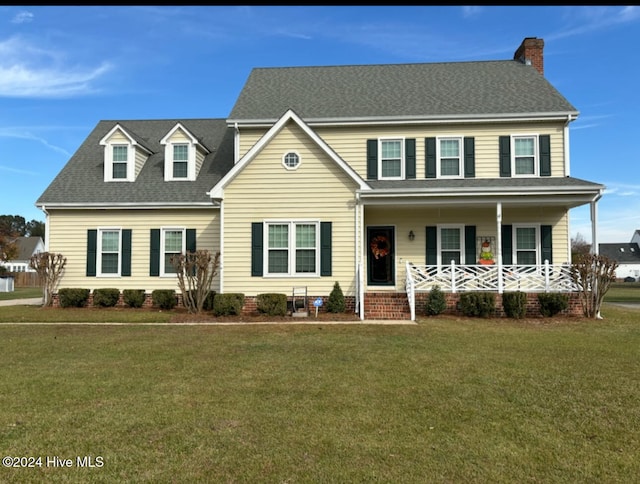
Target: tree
(579,246)
(8,248)
(195,272)
(49,267)
(593,275)
(35,228)
(336,302)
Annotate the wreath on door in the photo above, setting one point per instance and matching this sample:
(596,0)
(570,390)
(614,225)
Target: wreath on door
(380,246)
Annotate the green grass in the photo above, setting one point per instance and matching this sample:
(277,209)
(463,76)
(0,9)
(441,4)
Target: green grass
(21,293)
(623,292)
(448,400)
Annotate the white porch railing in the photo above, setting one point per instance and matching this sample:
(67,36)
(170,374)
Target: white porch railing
(464,278)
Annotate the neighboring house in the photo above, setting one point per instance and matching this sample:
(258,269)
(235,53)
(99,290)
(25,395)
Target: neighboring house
(627,255)
(27,247)
(385,178)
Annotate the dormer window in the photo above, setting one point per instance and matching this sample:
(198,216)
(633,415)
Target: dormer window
(124,157)
(180,161)
(183,154)
(120,155)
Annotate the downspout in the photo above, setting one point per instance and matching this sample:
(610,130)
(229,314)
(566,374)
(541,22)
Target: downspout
(46,228)
(358,255)
(236,144)
(567,156)
(221,266)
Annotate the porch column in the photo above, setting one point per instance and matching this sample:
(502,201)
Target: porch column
(594,228)
(498,247)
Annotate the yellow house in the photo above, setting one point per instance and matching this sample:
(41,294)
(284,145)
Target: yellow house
(389,179)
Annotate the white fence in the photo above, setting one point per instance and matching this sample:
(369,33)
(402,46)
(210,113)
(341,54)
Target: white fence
(463,278)
(6,284)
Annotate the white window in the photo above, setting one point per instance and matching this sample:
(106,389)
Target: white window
(291,160)
(180,161)
(449,157)
(391,160)
(172,243)
(292,248)
(524,161)
(118,166)
(109,252)
(526,245)
(451,244)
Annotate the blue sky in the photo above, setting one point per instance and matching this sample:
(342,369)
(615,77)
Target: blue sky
(63,69)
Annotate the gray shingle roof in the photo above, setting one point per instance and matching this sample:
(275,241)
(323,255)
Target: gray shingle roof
(81,181)
(439,90)
(623,253)
(496,184)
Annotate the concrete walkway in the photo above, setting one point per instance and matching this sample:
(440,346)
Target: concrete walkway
(34,301)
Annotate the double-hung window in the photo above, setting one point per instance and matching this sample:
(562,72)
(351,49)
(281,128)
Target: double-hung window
(172,243)
(120,154)
(451,244)
(180,160)
(292,248)
(391,159)
(109,252)
(526,245)
(450,157)
(524,155)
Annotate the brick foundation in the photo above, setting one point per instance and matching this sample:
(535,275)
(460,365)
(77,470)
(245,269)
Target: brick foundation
(382,305)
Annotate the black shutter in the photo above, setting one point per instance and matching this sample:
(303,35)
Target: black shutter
(432,246)
(469,158)
(547,245)
(256,248)
(191,240)
(154,255)
(92,246)
(325,248)
(125,270)
(545,155)
(372,159)
(505,156)
(430,157)
(410,158)
(507,244)
(470,256)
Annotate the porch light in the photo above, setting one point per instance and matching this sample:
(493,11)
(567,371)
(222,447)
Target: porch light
(411,235)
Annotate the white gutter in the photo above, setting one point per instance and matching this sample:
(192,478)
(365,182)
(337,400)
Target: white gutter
(567,156)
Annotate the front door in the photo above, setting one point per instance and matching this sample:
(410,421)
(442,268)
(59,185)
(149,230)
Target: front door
(380,256)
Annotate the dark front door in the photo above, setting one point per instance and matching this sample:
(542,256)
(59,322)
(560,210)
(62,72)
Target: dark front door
(380,256)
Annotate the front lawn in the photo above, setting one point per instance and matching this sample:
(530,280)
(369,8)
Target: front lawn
(446,400)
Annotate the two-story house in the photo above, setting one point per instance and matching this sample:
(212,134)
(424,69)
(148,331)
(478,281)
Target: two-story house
(389,179)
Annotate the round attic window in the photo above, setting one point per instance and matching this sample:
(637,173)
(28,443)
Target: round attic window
(291,160)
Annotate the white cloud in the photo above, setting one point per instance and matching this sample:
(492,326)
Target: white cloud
(29,71)
(22,134)
(22,17)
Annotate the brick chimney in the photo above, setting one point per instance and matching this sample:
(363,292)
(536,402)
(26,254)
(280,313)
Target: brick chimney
(530,53)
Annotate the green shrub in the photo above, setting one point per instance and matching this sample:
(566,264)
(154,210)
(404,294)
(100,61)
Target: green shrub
(71,297)
(106,297)
(515,304)
(134,298)
(228,304)
(551,303)
(272,304)
(436,302)
(336,302)
(164,298)
(478,304)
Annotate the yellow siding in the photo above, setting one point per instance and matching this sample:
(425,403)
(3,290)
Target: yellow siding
(350,143)
(68,236)
(141,158)
(317,190)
